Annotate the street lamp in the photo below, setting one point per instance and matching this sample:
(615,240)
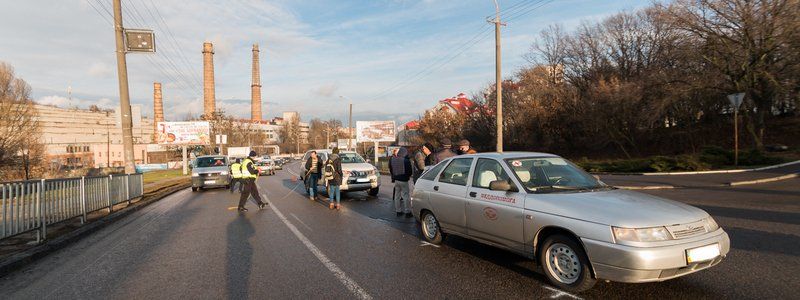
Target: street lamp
(350,124)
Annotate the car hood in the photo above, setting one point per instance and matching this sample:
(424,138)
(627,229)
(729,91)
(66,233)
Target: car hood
(211,169)
(619,208)
(357,167)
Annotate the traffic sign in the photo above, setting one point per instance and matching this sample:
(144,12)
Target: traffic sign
(140,40)
(736,99)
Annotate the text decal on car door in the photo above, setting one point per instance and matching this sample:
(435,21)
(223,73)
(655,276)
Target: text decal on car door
(498,198)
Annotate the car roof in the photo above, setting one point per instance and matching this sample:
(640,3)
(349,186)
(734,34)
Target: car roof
(509,155)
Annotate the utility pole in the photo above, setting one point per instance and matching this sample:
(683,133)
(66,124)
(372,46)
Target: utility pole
(350,129)
(498,76)
(327,135)
(124,97)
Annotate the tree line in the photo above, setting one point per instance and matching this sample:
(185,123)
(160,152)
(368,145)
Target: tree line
(651,81)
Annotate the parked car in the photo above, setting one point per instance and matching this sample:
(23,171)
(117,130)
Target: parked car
(577,228)
(358,174)
(210,171)
(265,167)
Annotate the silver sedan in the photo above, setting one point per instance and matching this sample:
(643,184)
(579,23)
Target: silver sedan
(577,228)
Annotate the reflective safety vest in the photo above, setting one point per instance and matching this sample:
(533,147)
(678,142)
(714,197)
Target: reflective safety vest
(236,170)
(246,171)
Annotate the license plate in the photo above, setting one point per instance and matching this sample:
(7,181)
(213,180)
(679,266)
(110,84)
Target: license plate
(702,253)
(362,180)
(211,182)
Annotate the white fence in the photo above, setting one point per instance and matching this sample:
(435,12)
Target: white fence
(35,204)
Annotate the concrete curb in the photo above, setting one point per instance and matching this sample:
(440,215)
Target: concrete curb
(646,187)
(764,180)
(703,172)
(23,258)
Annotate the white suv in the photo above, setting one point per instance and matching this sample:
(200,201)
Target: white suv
(358,174)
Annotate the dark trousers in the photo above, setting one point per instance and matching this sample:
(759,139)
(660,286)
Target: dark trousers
(234,181)
(250,188)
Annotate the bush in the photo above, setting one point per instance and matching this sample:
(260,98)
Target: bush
(653,164)
(718,157)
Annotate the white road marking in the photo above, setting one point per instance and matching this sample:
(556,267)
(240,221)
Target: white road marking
(423,244)
(559,293)
(348,282)
(301,222)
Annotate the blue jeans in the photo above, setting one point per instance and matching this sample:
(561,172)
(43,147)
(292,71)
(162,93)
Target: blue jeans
(335,191)
(313,178)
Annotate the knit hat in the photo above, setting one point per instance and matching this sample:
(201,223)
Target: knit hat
(446,142)
(429,146)
(463,143)
(252,154)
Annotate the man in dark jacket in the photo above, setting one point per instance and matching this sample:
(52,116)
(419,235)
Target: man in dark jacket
(313,173)
(422,160)
(445,152)
(333,175)
(401,170)
(464,148)
(249,175)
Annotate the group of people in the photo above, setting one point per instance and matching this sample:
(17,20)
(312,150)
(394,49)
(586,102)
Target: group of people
(244,173)
(406,169)
(331,170)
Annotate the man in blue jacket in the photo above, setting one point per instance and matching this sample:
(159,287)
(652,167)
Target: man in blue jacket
(401,170)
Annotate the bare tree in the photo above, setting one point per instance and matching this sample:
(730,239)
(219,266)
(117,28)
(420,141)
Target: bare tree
(19,128)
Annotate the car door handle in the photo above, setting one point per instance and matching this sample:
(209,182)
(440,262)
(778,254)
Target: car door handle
(473,194)
(436,188)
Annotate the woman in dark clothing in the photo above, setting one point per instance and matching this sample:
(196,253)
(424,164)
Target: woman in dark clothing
(333,174)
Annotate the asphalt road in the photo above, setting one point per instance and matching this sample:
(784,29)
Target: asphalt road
(197,246)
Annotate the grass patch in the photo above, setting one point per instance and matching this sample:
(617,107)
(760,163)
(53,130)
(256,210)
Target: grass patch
(159,175)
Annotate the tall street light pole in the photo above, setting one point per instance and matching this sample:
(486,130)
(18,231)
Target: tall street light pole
(350,125)
(498,76)
(124,97)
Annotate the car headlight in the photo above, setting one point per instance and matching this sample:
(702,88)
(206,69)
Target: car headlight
(223,173)
(711,225)
(195,174)
(353,174)
(652,234)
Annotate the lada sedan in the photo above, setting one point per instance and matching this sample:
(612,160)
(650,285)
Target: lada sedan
(578,229)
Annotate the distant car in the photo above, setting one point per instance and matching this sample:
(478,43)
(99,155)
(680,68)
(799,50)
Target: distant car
(358,174)
(210,171)
(265,167)
(579,229)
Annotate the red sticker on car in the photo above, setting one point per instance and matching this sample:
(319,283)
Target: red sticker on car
(490,213)
(516,163)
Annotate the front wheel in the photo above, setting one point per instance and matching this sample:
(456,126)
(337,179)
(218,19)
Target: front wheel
(565,264)
(373,192)
(431,230)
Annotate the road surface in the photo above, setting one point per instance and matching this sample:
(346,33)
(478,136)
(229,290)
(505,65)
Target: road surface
(197,246)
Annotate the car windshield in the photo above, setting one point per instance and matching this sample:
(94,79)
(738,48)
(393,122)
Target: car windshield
(350,158)
(552,174)
(205,162)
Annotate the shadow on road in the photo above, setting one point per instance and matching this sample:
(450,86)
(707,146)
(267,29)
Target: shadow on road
(239,256)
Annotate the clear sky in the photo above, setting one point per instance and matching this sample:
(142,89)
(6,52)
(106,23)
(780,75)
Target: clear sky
(313,51)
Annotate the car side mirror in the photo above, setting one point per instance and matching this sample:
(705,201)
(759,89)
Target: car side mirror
(502,185)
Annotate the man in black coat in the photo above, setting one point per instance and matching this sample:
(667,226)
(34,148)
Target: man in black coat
(401,171)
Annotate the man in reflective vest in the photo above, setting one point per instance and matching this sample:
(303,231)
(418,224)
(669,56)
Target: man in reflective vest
(249,175)
(236,175)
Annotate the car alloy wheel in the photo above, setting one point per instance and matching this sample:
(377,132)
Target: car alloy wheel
(563,263)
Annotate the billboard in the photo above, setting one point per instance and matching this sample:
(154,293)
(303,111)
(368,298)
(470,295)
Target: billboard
(183,133)
(375,131)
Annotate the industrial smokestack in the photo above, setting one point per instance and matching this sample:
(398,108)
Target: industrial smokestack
(158,105)
(255,88)
(209,105)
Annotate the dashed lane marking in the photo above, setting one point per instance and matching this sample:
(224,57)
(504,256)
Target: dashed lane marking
(559,293)
(348,282)
(301,222)
(423,244)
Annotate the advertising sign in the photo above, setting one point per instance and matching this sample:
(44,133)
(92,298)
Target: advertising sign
(375,131)
(183,133)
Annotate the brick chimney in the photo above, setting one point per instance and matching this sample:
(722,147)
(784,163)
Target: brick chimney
(255,88)
(158,105)
(209,105)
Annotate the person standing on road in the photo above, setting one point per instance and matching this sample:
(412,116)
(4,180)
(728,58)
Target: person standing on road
(314,167)
(249,175)
(421,160)
(445,152)
(236,175)
(400,169)
(333,175)
(464,148)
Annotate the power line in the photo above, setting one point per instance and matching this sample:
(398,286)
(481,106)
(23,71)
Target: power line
(175,42)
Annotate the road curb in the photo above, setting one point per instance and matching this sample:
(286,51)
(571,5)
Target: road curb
(23,258)
(764,180)
(646,187)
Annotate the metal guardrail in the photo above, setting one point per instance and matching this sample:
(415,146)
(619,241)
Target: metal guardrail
(35,204)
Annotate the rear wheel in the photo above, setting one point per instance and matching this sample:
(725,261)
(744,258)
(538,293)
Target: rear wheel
(430,228)
(373,191)
(565,264)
